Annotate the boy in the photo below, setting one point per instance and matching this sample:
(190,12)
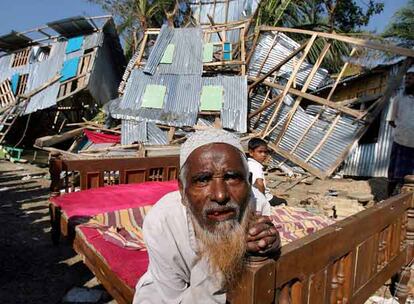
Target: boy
(258,153)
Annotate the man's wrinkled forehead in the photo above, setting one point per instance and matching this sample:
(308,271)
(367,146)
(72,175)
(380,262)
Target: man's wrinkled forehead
(207,137)
(215,153)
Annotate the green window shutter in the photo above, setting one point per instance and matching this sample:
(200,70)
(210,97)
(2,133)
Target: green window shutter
(168,54)
(154,96)
(211,98)
(208,50)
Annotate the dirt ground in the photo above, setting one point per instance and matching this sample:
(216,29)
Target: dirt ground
(33,270)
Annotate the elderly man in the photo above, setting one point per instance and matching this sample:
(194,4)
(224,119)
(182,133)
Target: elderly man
(198,237)
(402,119)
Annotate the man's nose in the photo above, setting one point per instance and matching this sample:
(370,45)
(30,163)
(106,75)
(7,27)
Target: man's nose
(219,193)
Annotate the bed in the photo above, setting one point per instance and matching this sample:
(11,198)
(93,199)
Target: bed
(343,263)
(70,176)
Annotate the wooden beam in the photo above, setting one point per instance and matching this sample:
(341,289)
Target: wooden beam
(264,107)
(303,90)
(344,67)
(391,87)
(42,87)
(324,139)
(279,65)
(314,98)
(355,41)
(51,140)
(298,161)
(292,77)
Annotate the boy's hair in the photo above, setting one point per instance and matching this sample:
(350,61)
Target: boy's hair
(256,143)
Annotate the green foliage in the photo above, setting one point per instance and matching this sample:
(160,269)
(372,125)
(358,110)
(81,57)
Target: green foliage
(338,16)
(134,16)
(402,24)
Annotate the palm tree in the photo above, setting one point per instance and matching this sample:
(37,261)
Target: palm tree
(135,16)
(402,24)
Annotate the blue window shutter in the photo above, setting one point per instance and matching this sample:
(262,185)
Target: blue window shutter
(15,82)
(74,44)
(69,69)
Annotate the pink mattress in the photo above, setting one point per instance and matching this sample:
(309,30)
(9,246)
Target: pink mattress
(105,199)
(128,265)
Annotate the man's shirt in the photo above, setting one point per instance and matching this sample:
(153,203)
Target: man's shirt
(403,116)
(175,273)
(256,169)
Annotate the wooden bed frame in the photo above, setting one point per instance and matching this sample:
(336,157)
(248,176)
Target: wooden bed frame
(343,263)
(94,173)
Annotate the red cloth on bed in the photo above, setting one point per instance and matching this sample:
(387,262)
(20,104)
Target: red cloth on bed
(98,138)
(128,265)
(105,199)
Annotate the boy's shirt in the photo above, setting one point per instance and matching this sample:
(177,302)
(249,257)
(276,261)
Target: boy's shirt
(256,169)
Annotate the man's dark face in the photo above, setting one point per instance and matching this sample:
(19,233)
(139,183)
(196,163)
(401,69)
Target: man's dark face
(216,186)
(409,81)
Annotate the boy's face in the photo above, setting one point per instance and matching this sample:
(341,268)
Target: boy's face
(260,154)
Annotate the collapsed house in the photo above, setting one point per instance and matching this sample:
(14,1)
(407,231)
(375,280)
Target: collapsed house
(58,73)
(191,77)
(302,127)
(306,122)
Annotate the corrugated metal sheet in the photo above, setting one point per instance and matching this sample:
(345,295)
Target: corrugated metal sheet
(234,110)
(40,73)
(188,52)
(182,100)
(157,52)
(93,40)
(237,10)
(180,104)
(282,47)
(142,132)
(133,131)
(223,12)
(14,41)
(372,159)
(72,26)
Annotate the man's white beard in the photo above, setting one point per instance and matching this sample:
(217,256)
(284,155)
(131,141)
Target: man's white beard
(225,247)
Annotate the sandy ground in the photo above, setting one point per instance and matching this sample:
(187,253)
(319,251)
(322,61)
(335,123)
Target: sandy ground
(32,270)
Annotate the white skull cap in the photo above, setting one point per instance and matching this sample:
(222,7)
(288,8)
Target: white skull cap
(206,137)
(410,70)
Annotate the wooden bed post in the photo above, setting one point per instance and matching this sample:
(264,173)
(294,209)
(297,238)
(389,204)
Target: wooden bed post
(257,284)
(55,168)
(401,288)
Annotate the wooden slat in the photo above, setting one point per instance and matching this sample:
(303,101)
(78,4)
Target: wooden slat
(289,83)
(313,98)
(324,139)
(304,89)
(355,41)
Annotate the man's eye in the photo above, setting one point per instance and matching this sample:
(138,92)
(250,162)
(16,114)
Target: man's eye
(233,177)
(201,180)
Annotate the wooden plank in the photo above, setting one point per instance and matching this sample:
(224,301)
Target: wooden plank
(324,139)
(278,66)
(269,51)
(344,67)
(313,98)
(355,41)
(298,161)
(304,89)
(395,82)
(264,107)
(289,83)
(51,140)
(352,231)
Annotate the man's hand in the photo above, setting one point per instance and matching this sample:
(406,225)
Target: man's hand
(392,123)
(262,237)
